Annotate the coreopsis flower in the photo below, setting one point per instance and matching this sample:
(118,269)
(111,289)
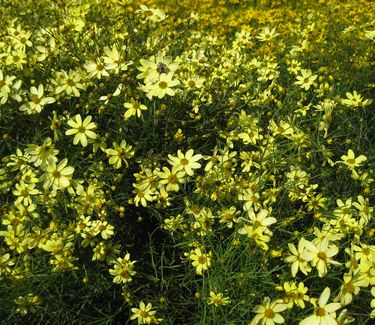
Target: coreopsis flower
(154,67)
(119,154)
(59,176)
(229,216)
(114,59)
(351,161)
(143,195)
(6,83)
(267,34)
(217,299)
(98,69)
(355,100)
(24,191)
(306,79)
(296,258)
(109,96)
(143,314)
(320,255)
(68,82)
(82,130)
(323,313)
(163,86)
(201,261)
(16,58)
(37,101)
(171,179)
(150,14)
(351,286)
(295,295)
(134,108)
(41,155)
(123,270)
(186,162)
(268,313)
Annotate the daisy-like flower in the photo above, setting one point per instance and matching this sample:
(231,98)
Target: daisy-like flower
(143,194)
(186,162)
(119,154)
(217,299)
(320,255)
(41,155)
(323,313)
(351,286)
(351,161)
(306,79)
(296,258)
(143,314)
(123,270)
(355,100)
(57,176)
(171,179)
(69,83)
(268,313)
(23,191)
(134,108)
(295,295)
(97,69)
(201,261)
(37,101)
(162,87)
(81,129)
(267,34)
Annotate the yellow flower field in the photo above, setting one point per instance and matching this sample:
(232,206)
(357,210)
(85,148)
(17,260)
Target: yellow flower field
(187,162)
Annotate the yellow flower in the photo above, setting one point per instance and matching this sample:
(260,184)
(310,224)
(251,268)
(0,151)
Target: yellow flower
(306,79)
(123,270)
(23,191)
(134,108)
(351,161)
(267,34)
(82,130)
(323,313)
(351,286)
(296,258)
(119,154)
(355,100)
(201,261)
(58,176)
(143,314)
(320,255)
(186,162)
(37,101)
(162,87)
(268,313)
(68,82)
(41,155)
(97,69)
(171,178)
(217,299)
(295,295)
(143,194)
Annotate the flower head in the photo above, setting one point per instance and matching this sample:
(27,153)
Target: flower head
(81,129)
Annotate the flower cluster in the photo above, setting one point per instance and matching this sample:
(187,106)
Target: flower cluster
(187,162)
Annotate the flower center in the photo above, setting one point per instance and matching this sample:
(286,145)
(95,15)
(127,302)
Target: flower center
(320,312)
(184,162)
(269,313)
(202,259)
(163,84)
